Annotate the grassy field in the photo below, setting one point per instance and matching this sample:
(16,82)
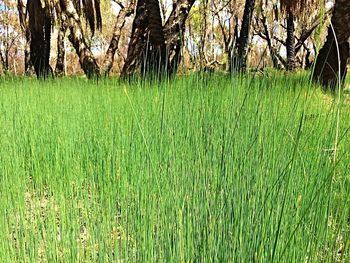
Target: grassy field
(197,170)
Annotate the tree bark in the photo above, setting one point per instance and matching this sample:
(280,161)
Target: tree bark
(76,37)
(138,41)
(240,56)
(113,46)
(22,13)
(40,31)
(232,45)
(3,63)
(154,48)
(290,42)
(147,44)
(203,35)
(267,37)
(61,49)
(28,65)
(155,57)
(174,33)
(327,64)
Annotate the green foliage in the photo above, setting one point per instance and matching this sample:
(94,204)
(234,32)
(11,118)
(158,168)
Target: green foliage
(199,170)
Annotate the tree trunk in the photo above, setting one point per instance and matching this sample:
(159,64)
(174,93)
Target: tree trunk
(138,41)
(22,13)
(28,65)
(147,44)
(174,33)
(272,49)
(2,61)
(240,56)
(308,62)
(290,41)
(155,57)
(327,64)
(232,44)
(76,36)
(203,35)
(154,48)
(113,46)
(40,32)
(61,49)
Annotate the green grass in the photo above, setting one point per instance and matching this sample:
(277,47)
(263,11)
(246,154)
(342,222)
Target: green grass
(196,170)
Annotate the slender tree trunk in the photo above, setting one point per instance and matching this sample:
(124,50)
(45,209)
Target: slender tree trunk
(272,50)
(203,35)
(290,42)
(76,37)
(2,61)
(61,49)
(232,44)
(4,56)
(113,46)
(327,63)
(308,62)
(40,31)
(22,13)
(240,56)
(174,30)
(28,65)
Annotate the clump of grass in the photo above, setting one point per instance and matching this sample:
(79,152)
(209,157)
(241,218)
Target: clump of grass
(199,169)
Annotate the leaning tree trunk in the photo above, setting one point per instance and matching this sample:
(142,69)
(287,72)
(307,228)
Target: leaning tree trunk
(239,61)
(272,49)
(290,41)
(117,32)
(174,33)
(61,49)
(138,41)
(40,31)
(327,64)
(76,36)
(147,45)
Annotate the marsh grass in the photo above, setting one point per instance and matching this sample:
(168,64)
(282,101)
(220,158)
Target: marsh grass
(199,169)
